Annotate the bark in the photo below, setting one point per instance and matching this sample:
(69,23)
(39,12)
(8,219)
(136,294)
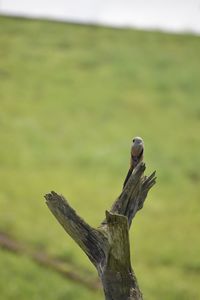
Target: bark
(108,245)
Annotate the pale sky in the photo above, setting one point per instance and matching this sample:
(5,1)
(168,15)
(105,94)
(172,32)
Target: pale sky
(170,15)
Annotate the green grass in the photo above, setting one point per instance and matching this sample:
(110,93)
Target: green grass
(71,99)
(22,279)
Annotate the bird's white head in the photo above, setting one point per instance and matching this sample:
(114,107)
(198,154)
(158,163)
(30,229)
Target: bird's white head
(137,140)
(137,150)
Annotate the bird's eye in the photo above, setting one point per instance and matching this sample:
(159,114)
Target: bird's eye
(133,140)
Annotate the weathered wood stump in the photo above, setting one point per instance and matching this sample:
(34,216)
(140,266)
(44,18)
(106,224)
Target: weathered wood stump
(108,245)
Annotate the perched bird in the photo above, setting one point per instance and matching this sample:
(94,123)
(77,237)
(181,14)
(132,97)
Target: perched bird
(137,150)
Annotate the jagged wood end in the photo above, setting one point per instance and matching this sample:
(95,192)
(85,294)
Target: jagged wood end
(138,198)
(147,184)
(120,205)
(134,194)
(90,240)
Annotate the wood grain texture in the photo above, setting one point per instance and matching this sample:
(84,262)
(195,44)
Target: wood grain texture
(108,245)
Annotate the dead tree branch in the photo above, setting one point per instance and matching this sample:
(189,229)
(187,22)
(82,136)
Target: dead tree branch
(108,246)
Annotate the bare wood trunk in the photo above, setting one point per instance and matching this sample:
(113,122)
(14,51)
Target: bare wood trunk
(117,276)
(107,246)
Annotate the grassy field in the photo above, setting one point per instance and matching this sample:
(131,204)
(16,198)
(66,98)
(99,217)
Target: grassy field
(71,99)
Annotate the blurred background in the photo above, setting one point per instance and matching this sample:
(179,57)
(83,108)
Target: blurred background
(72,97)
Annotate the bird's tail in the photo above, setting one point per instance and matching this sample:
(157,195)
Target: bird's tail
(127,176)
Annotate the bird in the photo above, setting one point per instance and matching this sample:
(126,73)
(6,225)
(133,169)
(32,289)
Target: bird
(137,152)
